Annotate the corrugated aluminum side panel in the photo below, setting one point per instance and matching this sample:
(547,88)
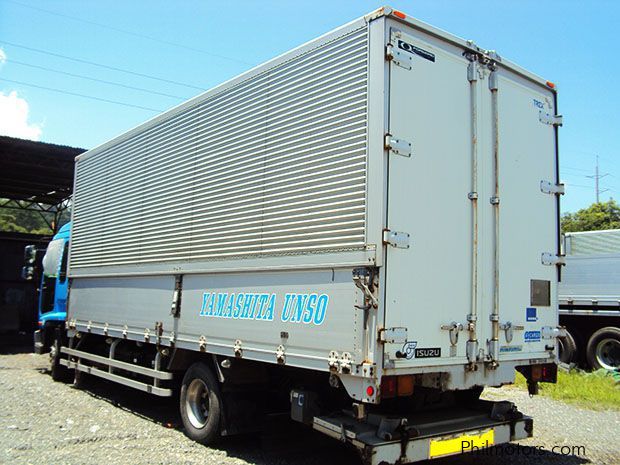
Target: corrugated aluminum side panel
(594,243)
(273,165)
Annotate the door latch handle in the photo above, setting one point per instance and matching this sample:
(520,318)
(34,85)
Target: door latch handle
(453,329)
(509,328)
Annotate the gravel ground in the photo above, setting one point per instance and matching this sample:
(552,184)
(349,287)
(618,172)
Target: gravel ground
(43,422)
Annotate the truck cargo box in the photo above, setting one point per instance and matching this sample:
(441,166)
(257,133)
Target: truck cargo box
(589,299)
(382,200)
(592,274)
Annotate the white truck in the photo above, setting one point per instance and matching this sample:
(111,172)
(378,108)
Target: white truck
(589,298)
(364,229)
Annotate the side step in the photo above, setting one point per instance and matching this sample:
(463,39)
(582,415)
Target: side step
(383,439)
(111,363)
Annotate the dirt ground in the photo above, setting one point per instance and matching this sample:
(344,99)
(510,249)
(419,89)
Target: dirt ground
(43,422)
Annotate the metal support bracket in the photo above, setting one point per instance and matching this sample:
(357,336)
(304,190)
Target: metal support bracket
(546,118)
(281,355)
(472,71)
(362,278)
(398,146)
(175,308)
(547,187)
(333,360)
(552,259)
(238,348)
(345,363)
(399,57)
(548,332)
(397,239)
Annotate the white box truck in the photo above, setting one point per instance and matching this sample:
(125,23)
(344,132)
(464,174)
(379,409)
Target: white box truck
(365,228)
(589,298)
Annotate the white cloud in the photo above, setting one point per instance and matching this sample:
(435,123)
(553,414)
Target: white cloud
(14,117)
(2,56)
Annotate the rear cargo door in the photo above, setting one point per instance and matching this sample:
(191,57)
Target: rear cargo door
(528,214)
(428,273)
(432,250)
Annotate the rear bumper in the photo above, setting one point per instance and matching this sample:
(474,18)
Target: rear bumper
(425,436)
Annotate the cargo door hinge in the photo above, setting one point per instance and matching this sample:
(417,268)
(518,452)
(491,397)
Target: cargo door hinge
(546,118)
(398,146)
(548,258)
(399,57)
(393,335)
(397,239)
(547,187)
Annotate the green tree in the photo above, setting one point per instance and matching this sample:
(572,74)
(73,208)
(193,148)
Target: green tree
(28,221)
(602,215)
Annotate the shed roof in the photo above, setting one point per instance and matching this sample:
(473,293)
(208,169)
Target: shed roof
(36,171)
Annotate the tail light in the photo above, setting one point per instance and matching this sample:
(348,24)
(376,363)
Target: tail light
(393,386)
(544,373)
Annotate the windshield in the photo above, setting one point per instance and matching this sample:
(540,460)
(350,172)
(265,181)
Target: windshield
(51,260)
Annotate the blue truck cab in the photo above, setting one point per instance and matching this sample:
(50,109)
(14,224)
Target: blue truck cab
(52,305)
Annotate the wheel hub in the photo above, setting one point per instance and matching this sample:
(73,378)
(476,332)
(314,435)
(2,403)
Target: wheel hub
(197,403)
(608,353)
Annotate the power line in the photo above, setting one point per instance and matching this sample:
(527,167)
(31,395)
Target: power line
(579,185)
(101,65)
(132,33)
(81,95)
(96,79)
(562,167)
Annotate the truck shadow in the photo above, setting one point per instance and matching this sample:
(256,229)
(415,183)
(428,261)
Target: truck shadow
(284,441)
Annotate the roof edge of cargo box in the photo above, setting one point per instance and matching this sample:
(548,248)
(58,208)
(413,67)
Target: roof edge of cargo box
(469,45)
(385,11)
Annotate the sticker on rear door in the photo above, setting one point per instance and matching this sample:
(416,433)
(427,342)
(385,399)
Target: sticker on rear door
(407,47)
(530,314)
(532,336)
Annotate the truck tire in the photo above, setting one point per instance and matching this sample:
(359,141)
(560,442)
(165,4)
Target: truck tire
(58,371)
(567,348)
(604,349)
(200,404)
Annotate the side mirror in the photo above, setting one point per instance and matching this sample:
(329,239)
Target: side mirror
(30,254)
(28,273)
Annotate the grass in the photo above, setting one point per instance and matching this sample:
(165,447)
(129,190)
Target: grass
(597,391)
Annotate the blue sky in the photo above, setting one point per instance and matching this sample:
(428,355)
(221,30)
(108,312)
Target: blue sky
(202,43)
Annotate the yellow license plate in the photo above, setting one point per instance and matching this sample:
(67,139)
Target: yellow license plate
(464,443)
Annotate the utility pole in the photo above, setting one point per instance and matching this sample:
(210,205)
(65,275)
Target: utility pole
(596,178)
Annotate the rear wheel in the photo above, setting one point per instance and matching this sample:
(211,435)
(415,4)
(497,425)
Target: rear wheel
(201,404)
(58,371)
(568,348)
(604,349)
